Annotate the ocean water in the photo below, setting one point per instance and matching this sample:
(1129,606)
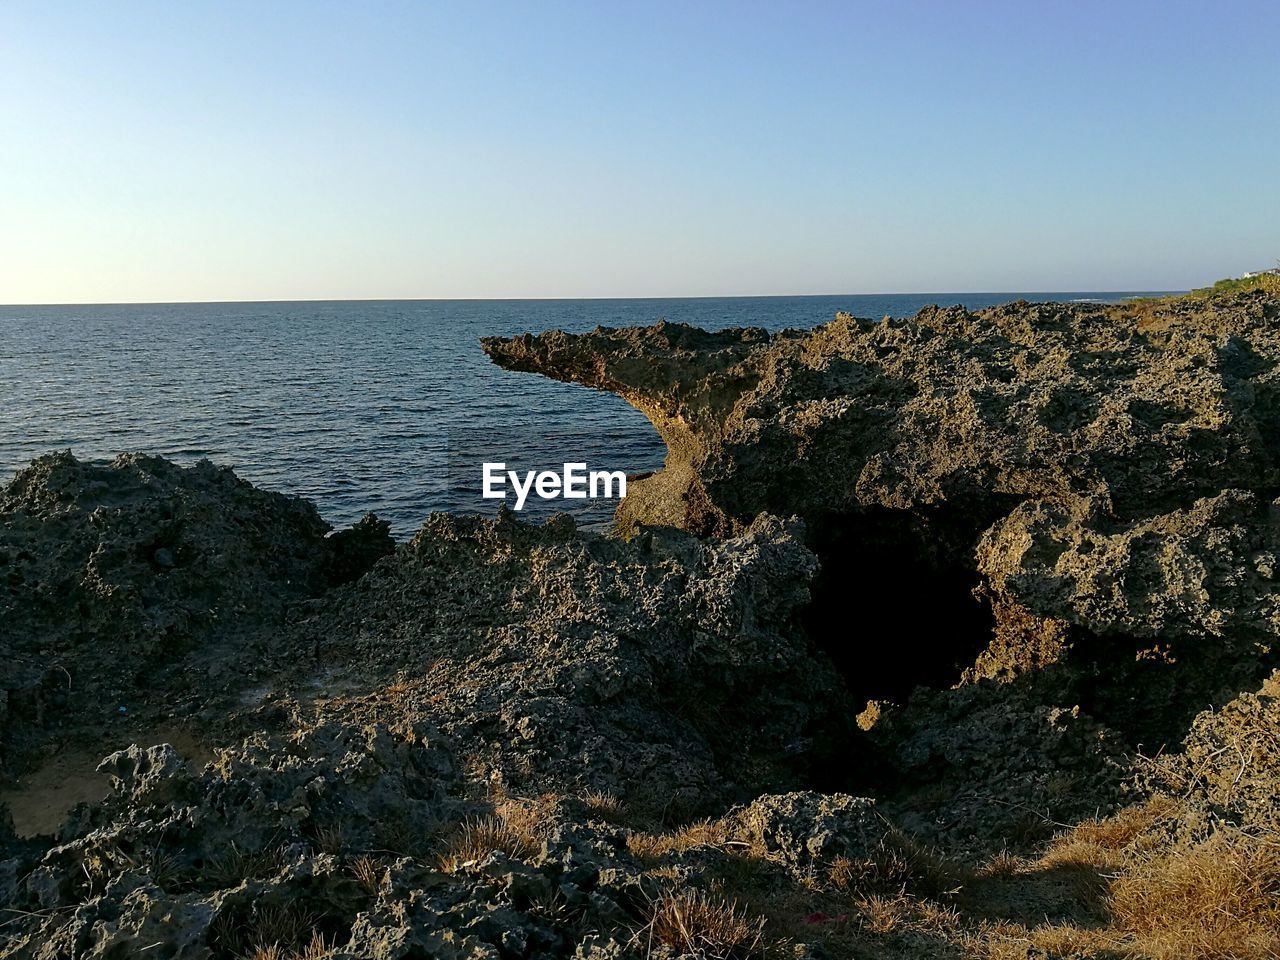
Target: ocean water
(356,405)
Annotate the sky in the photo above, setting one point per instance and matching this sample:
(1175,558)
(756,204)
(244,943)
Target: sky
(312,150)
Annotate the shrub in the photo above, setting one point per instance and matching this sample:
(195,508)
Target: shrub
(476,839)
(695,923)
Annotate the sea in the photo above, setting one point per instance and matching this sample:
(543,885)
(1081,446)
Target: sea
(382,406)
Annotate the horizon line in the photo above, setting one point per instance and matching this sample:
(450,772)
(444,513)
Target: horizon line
(731,296)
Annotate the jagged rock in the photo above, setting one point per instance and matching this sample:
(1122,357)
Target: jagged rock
(900,442)
(8,882)
(989,766)
(1208,569)
(1155,618)
(123,581)
(809,830)
(1126,456)
(356,549)
(951,408)
(1230,767)
(668,672)
(663,670)
(498,740)
(332,832)
(43,887)
(260,815)
(131,918)
(596,947)
(143,773)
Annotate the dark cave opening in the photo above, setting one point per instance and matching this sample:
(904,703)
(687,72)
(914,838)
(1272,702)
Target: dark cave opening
(894,605)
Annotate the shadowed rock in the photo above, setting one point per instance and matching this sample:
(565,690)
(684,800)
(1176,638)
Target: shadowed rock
(141,587)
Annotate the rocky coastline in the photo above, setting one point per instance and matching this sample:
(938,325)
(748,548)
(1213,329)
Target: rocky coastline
(946,637)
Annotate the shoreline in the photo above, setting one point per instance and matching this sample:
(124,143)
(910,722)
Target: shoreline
(949,635)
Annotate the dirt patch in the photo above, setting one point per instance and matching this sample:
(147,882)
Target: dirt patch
(40,801)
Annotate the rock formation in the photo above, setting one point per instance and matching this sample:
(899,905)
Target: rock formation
(950,412)
(935,456)
(945,637)
(130,590)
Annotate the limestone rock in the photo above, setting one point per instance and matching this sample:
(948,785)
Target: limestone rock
(950,408)
(809,830)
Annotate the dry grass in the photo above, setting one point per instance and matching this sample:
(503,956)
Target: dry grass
(1085,858)
(1111,887)
(476,839)
(604,806)
(367,873)
(528,818)
(844,907)
(701,925)
(1003,864)
(1217,901)
(883,915)
(269,932)
(403,837)
(164,869)
(898,866)
(1122,829)
(286,923)
(315,949)
(233,868)
(652,847)
(553,907)
(1054,940)
(399,690)
(888,872)
(330,839)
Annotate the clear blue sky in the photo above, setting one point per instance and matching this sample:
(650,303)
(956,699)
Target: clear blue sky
(274,150)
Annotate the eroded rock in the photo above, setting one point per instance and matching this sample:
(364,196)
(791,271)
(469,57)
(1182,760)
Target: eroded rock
(808,831)
(501,740)
(1230,767)
(1148,621)
(664,670)
(137,583)
(949,408)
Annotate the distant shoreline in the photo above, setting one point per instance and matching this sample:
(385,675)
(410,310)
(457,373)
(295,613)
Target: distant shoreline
(1051,296)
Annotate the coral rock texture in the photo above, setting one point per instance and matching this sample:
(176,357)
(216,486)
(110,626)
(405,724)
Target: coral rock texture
(944,637)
